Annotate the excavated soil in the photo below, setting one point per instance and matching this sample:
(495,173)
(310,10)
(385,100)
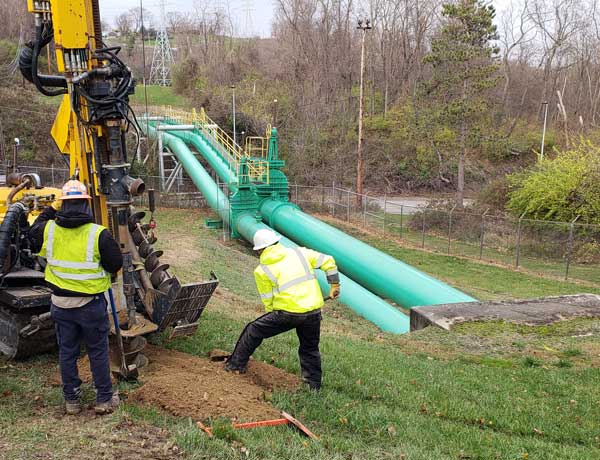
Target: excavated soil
(196,387)
(186,385)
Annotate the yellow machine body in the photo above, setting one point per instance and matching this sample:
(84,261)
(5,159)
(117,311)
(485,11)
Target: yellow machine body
(37,198)
(90,131)
(74,43)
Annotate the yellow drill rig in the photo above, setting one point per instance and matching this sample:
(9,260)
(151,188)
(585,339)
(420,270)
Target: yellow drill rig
(90,131)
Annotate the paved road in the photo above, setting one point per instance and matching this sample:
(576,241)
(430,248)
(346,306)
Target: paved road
(409,204)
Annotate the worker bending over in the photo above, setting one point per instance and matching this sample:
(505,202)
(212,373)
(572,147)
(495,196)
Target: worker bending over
(80,256)
(292,297)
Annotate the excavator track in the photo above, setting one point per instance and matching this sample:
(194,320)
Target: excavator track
(18,346)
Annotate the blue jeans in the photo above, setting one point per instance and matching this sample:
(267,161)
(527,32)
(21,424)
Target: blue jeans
(89,325)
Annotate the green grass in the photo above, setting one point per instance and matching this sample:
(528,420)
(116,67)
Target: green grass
(378,402)
(158,95)
(483,391)
(498,251)
(484,282)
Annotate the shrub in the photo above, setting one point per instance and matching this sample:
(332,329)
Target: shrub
(588,253)
(561,188)
(494,196)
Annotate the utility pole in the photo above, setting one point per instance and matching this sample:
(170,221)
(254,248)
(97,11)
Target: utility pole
(363,25)
(233,112)
(545,104)
(274,117)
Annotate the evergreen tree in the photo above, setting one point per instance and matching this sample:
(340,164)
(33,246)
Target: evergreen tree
(463,70)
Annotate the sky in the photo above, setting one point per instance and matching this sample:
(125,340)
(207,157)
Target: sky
(262,11)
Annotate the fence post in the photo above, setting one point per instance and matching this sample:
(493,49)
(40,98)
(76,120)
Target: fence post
(482,233)
(570,245)
(347,205)
(333,199)
(401,218)
(519,240)
(364,198)
(450,227)
(322,197)
(296,187)
(384,211)
(423,231)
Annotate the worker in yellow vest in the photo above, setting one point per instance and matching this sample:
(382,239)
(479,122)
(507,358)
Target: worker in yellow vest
(292,298)
(80,258)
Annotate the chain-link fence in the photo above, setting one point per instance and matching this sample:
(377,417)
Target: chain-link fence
(183,193)
(569,250)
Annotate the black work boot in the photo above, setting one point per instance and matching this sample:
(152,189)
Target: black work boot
(230,367)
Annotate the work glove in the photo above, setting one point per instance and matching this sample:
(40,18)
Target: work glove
(334,290)
(56,204)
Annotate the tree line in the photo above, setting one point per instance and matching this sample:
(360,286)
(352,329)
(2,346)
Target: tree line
(436,117)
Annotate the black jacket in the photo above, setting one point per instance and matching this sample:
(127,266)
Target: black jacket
(111,258)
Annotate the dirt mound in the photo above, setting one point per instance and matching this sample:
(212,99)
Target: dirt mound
(196,387)
(191,386)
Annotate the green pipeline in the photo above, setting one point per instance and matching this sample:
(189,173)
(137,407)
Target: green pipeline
(210,154)
(378,272)
(215,198)
(353,295)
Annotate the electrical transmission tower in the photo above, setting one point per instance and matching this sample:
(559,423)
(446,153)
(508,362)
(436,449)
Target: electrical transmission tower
(248,9)
(162,59)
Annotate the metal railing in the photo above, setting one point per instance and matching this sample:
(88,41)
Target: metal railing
(223,143)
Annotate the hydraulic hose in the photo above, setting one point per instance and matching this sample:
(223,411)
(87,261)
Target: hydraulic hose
(14,217)
(28,65)
(26,183)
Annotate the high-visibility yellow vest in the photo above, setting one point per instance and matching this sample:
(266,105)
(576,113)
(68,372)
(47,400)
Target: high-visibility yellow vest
(73,258)
(286,281)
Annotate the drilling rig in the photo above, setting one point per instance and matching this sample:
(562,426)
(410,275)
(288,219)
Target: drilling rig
(90,132)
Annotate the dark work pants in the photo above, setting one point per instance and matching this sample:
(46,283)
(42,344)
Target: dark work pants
(89,325)
(308,329)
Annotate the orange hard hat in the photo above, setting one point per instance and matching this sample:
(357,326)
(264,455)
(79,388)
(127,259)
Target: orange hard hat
(74,190)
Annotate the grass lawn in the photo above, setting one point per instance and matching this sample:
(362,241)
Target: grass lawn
(483,391)
(158,95)
(482,281)
(498,250)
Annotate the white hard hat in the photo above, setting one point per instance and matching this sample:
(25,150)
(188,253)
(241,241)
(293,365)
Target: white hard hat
(74,190)
(264,238)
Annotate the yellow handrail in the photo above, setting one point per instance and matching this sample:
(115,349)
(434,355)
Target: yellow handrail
(257,169)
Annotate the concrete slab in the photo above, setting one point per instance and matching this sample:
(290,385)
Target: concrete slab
(534,312)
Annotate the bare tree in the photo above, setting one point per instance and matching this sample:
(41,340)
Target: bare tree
(139,14)
(124,24)
(14,19)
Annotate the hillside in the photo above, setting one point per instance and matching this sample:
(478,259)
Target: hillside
(483,391)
